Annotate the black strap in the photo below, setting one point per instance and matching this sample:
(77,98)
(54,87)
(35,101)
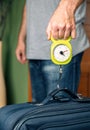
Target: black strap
(73,96)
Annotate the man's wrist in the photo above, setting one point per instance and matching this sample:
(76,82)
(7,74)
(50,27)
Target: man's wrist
(21,38)
(71,5)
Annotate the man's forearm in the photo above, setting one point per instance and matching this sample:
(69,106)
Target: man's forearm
(22,33)
(71,5)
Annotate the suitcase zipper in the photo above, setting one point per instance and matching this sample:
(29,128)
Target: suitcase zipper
(35,112)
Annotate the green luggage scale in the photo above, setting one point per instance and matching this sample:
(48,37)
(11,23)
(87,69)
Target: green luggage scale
(61,51)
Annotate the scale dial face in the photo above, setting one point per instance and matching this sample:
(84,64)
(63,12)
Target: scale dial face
(61,53)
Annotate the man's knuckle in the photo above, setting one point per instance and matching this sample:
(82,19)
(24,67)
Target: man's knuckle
(61,26)
(54,25)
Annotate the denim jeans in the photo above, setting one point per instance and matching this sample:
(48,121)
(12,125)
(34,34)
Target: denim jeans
(45,76)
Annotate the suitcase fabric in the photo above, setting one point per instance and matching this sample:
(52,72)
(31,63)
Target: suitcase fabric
(54,113)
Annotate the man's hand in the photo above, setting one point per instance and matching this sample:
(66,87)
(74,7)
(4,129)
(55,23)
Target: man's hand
(62,22)
(20,52)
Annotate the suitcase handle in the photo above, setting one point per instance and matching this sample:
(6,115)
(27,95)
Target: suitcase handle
(72,96)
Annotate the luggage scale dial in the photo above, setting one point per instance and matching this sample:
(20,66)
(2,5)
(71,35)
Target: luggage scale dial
(61,51)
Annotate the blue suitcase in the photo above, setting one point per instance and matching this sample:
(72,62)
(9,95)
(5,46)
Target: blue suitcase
(71,112)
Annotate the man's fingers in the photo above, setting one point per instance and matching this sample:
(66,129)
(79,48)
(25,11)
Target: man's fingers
(67,32)
(55,31)
(73,33)
(61,31)
(48,31)
(21,57)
